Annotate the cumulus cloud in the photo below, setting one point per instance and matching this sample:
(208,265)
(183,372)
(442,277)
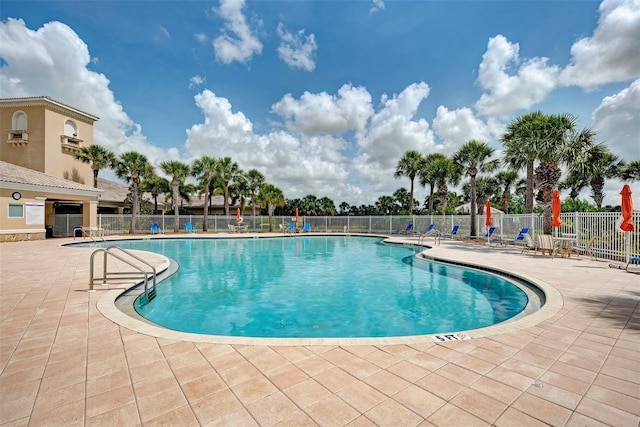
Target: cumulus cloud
(53,61)
(377,5)
(458,126)
(611,54)
(297,50)
(317,113)
(237,42)
(392,131)
(201,37)
(617,121)
(505,93)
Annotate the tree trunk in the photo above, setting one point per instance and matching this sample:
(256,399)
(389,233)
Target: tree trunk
(528,197)
(472,205)
(205,219)
(547,175)
(176,210)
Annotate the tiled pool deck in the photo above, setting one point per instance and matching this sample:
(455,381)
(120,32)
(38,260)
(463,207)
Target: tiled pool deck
(64,363)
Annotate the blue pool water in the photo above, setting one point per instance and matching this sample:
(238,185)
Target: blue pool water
(320,286)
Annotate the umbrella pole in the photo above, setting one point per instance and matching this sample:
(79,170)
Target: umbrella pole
(627,246)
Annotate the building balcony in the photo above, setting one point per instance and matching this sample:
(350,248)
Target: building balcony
(70,144)
(18,138)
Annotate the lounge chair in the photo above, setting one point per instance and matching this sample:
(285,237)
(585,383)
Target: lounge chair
(292,228)
(519,240)
(232,228)
(546,243)
(454,232)
(429,231)
(154,228)
(306,228)
(407,230)
(527,243)
(189,228)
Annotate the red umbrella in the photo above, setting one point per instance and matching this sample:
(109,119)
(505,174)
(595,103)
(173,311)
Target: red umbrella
(627,209)
(238,217)
(296,215)
(555,209)
(487,211)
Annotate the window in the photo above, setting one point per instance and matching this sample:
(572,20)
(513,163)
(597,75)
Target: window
(70,128)
(16,211)
(19,121)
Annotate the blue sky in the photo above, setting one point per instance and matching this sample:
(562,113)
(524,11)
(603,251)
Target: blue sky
(323,97)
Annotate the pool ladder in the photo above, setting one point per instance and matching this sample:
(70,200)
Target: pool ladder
(435,234)
(140,274)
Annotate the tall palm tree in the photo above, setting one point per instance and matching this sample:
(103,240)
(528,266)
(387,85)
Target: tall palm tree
(428,174)
(444,173)
(474,157)
(228,171)
(99,158)
(591,167)
(409,165)
(255,180)
(522,141)
(507,180)
(205,169)
(271,197)
(133,167)
(178,171)
(155,185)
(559,145)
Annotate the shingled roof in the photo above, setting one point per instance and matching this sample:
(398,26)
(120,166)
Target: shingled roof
(14,176)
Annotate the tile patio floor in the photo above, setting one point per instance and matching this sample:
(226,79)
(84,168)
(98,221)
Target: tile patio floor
(64,363)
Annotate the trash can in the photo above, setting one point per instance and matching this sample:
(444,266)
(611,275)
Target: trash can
(77,232)
(49,231)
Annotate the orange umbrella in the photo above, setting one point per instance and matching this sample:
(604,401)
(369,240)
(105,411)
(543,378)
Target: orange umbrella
(487,211)
(627,209)
(296,215)
(238,217)
(555,209)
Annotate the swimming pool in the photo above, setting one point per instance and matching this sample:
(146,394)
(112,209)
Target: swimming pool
(320,286)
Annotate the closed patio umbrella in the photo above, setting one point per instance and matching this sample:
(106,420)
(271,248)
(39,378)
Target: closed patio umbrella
(296,216)
(555,210)
(487,221)
(238,217)
(627,223)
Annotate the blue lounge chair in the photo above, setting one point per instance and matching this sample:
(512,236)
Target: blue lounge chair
(430,230)
(189,228)
(306,227)
(520,239)
(292,228)
(154,228)
(407,230)
(454,232)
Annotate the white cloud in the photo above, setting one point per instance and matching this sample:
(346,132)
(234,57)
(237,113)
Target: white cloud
(316,113)
(617,121)
(242,44)
(297,50)
(391,132)
(53,61)
(201,37)
(196,80)
(612,53)
(458,126)
(377,5)
(505,93)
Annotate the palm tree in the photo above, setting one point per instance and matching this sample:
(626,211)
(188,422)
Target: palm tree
(155,185)
(507,180)
(521,142)
(271,197)
(592,166)
(344,208)
(228,171)
(631,172)
(474,157)
(428,174)
(255,180)
(444,172)
(178,172)
(309,205)
(409,165)
(326,206)
(402,196)
(99,157)
(559,145)
(205,169)
(133,167)
(386,205)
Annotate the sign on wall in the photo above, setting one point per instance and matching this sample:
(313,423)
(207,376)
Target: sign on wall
(34,213)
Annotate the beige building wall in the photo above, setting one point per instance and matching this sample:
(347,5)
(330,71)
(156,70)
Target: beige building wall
(55,132)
